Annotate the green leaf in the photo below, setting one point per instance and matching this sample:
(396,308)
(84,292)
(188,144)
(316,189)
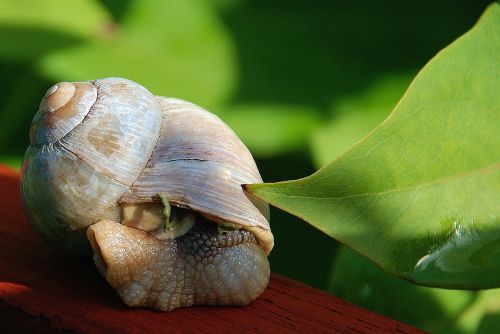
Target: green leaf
(420,194)
(29,28)
(78,17)
(272,129)
(225,5)
(354,117)
(434,310)
(483,315)
(23,95)
(174,48)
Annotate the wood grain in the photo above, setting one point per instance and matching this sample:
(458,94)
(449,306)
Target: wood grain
(42,291)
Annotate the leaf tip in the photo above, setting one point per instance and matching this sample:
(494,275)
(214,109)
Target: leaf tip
(250,187)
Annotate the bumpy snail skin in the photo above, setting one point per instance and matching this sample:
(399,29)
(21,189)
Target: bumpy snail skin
(107,162)
(199,268)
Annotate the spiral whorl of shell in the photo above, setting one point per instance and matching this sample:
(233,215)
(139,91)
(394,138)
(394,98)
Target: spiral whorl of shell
(89,143)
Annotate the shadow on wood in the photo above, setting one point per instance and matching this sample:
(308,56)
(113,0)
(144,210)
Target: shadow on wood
(42,292)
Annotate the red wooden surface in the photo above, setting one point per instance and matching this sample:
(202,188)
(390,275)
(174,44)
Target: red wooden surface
(42,292)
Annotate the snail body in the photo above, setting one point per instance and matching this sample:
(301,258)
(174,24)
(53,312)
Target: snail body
(153,185)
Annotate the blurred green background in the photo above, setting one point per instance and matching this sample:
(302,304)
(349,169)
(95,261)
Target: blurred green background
(299,81)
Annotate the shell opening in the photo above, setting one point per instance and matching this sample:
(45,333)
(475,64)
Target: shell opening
(182,227)
(150,217)
(145,216)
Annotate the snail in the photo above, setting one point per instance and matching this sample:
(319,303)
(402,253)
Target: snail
(152,185)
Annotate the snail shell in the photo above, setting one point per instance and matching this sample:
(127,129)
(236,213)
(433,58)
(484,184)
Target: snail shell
(108,154)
